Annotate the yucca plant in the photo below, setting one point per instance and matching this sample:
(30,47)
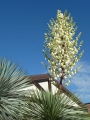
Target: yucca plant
(46,106)
(61,48)
(12,80)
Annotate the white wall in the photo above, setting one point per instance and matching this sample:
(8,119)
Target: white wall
(44,85)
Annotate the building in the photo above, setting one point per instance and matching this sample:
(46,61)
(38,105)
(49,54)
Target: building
(43,82)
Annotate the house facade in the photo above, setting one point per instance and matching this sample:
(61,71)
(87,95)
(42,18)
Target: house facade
(43,82)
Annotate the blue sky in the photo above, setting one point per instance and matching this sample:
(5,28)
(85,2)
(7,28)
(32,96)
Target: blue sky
(22,27)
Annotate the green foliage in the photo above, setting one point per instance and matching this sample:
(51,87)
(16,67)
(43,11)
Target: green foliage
(12,80)
(46,106)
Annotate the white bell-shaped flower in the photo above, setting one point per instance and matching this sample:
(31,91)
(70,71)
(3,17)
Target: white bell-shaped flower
(60,49)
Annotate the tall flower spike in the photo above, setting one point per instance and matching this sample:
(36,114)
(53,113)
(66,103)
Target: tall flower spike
(60,48)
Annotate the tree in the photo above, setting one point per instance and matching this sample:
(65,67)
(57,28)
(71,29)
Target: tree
(12,80)
(61,47)
(46,106)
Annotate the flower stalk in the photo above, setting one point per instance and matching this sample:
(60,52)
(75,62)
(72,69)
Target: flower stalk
(61,48)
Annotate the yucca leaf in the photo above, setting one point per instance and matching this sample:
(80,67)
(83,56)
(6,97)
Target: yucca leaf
(46,106)
(12,80)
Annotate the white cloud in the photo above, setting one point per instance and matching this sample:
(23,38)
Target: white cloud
(81,82)
(85,67)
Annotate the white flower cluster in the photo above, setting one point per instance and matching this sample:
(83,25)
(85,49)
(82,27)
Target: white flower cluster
(60,49)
